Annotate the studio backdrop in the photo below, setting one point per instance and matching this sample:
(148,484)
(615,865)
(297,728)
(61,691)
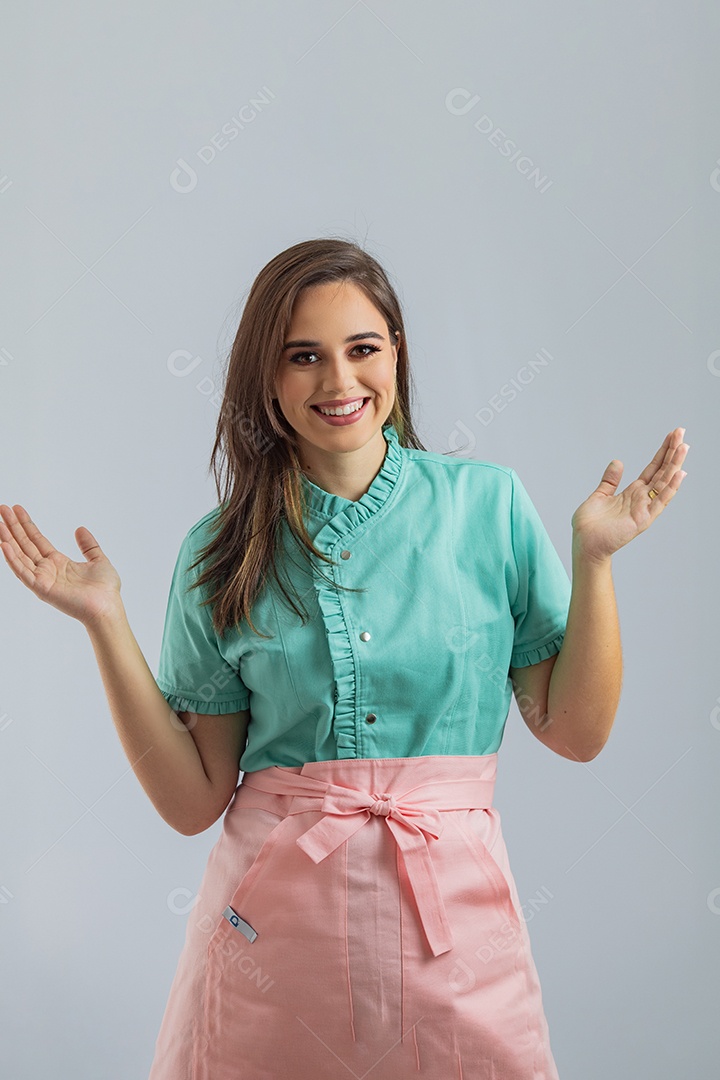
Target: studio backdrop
(542,186)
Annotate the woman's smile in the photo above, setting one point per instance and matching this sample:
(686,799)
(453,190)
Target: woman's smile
(349,414)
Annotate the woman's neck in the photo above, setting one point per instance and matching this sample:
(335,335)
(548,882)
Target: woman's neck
(347,474)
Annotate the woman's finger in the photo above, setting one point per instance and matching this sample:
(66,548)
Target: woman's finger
(665,454)
(20,538)
(41,543)
(19,563)
(666,491)
(6,533)
(669,470)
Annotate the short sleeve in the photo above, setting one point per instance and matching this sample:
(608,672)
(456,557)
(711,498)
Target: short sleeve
(193,675)
(541,597)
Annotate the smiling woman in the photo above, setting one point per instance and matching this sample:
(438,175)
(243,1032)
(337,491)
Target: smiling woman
(342,628)
(362,601)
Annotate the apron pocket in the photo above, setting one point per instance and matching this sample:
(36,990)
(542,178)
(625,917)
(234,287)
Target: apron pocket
(483,830)
(250,842)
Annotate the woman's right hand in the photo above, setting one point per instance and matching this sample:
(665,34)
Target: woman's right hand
(84,590)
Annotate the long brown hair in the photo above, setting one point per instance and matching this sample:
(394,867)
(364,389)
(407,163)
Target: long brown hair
(255,458)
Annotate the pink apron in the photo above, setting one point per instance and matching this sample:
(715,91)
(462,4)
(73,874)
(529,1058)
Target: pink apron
(358,918)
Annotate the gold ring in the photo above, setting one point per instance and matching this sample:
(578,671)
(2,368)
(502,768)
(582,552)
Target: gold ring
(652,493)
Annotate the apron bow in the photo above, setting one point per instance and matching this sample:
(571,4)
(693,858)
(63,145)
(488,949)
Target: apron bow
(411,820)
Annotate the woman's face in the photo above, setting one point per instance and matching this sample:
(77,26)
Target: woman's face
(320,365)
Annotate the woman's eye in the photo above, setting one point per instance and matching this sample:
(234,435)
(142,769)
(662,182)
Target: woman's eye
(302,356)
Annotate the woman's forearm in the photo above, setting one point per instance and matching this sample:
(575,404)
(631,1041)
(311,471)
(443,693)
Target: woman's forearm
(159,747)
(585,683)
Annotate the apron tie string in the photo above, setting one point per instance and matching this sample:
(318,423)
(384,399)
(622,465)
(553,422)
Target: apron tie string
(411,816)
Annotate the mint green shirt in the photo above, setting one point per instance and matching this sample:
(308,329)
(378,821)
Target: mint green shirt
(460,582)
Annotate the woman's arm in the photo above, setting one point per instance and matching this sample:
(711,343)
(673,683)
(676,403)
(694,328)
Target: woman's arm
(160,748)
(569,701)
(188,783)
(586,679)
(581,690)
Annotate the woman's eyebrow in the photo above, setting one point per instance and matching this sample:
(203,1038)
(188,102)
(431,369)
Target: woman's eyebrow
(317,344)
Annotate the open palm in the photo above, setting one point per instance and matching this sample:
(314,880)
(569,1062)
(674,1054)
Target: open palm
(83,590)
(609,519)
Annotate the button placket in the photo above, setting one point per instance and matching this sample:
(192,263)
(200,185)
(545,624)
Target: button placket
(344,642)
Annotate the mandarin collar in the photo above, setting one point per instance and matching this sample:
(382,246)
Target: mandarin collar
(324,504)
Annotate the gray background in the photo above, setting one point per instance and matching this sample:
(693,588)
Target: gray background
(133,229)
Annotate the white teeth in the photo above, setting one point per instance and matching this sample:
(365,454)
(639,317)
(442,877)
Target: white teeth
(344,411)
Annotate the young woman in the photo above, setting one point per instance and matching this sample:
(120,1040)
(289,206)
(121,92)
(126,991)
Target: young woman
(346,628)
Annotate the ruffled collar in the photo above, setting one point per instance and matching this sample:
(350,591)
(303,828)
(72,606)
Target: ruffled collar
(323,504)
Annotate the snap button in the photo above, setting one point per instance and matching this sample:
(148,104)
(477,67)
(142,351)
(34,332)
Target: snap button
(345,554)
(370,718)
(365,636)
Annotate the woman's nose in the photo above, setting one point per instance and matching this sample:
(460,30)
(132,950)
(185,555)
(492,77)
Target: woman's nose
(338,373)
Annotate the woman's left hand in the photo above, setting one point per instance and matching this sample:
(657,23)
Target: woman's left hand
(606,521)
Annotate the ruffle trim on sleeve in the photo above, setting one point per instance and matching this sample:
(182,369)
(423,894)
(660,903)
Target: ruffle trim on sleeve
(337,532)
(202,706)
(526,657)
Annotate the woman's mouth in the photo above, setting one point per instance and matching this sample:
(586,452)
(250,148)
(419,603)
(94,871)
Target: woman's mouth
(343,419)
